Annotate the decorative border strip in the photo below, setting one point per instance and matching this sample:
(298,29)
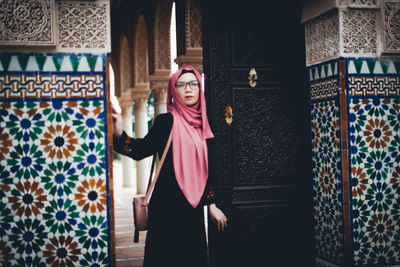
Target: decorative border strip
(323,70)
(323,89)
(374,86)
(51,63)
(373,66)
(55,86)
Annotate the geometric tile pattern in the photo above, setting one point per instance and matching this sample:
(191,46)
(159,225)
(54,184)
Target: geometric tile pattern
(373,66)
(51,85)
(324,70)
(54,193)
(322,89)
(51,63)
(327,181)
(53,197)
(374,85)
(374,132)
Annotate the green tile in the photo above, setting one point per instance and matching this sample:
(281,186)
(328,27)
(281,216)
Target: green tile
(385,66)
(75,62)
(326,69)
(40,61)
(5,61)
(92,62)
(58,61)
(23,60)
(371,65)
(397,65)
(358,64)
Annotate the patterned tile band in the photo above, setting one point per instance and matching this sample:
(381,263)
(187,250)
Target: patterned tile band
(374,86)
(42,86)
(51,63)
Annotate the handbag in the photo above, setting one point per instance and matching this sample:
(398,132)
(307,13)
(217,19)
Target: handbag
(141,204)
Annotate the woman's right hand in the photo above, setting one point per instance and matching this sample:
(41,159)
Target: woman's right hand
(117,122)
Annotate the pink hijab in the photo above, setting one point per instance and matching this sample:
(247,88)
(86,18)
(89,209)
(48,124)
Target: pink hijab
(189,147)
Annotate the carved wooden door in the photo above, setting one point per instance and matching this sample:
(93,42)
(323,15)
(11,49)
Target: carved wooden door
(260,164)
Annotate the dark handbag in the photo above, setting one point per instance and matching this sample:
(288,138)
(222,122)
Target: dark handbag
(141,204)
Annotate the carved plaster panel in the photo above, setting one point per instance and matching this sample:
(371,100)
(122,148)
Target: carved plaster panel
(322,38)
(193,24)
(391,26)
(359,32)
(24,22)
(124,64)
(162,21)
(84,26)
(364,3)
(141,54)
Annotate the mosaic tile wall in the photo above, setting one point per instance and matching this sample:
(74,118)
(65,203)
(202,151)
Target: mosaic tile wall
(374,141)
(54,195)
(326,162)
(372,103)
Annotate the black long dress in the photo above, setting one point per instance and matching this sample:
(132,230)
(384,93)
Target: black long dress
(176,232)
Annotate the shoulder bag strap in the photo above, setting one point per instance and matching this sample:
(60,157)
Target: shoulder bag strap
(151,187)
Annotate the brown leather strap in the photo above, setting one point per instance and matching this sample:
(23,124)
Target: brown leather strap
(151,172)
(150,189)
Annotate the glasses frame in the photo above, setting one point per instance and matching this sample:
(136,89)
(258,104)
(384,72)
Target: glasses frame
(196,87)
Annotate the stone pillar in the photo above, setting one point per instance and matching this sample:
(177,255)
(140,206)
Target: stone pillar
(159,86)
(140,96)
(128,165)
(354,82)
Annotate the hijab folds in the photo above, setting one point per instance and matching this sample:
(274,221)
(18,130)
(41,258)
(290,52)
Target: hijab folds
(189,147)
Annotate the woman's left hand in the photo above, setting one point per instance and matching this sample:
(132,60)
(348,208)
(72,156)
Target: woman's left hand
(218,217)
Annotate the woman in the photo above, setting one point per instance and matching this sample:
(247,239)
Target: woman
(176,233)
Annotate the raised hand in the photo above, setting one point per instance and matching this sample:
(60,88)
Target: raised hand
(117,122)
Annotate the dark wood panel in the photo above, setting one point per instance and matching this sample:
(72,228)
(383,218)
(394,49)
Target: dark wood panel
(261,164)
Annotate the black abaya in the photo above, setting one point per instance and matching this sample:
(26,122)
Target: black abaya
(176,232)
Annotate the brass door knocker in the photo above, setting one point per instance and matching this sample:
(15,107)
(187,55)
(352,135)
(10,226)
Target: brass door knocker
(253,77)
(228,115)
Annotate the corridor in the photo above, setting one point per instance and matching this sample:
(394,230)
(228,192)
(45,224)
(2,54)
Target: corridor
(127,253)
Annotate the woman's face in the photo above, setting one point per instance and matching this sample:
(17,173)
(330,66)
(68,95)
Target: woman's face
(188,88)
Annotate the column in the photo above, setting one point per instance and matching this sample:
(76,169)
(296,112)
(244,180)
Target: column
(128,164)
(353,81)
(141,129)
(159,86)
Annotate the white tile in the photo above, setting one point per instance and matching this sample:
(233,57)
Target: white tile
(391,69)
(83,65)
(364,68)
(378,68)
(66,64)
(32,64)
(329,70)
(316,77)
(49,64)
(323,75)
(352,67)
(14,64)
(99,64)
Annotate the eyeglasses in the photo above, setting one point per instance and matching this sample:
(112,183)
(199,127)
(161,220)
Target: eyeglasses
(192,84)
